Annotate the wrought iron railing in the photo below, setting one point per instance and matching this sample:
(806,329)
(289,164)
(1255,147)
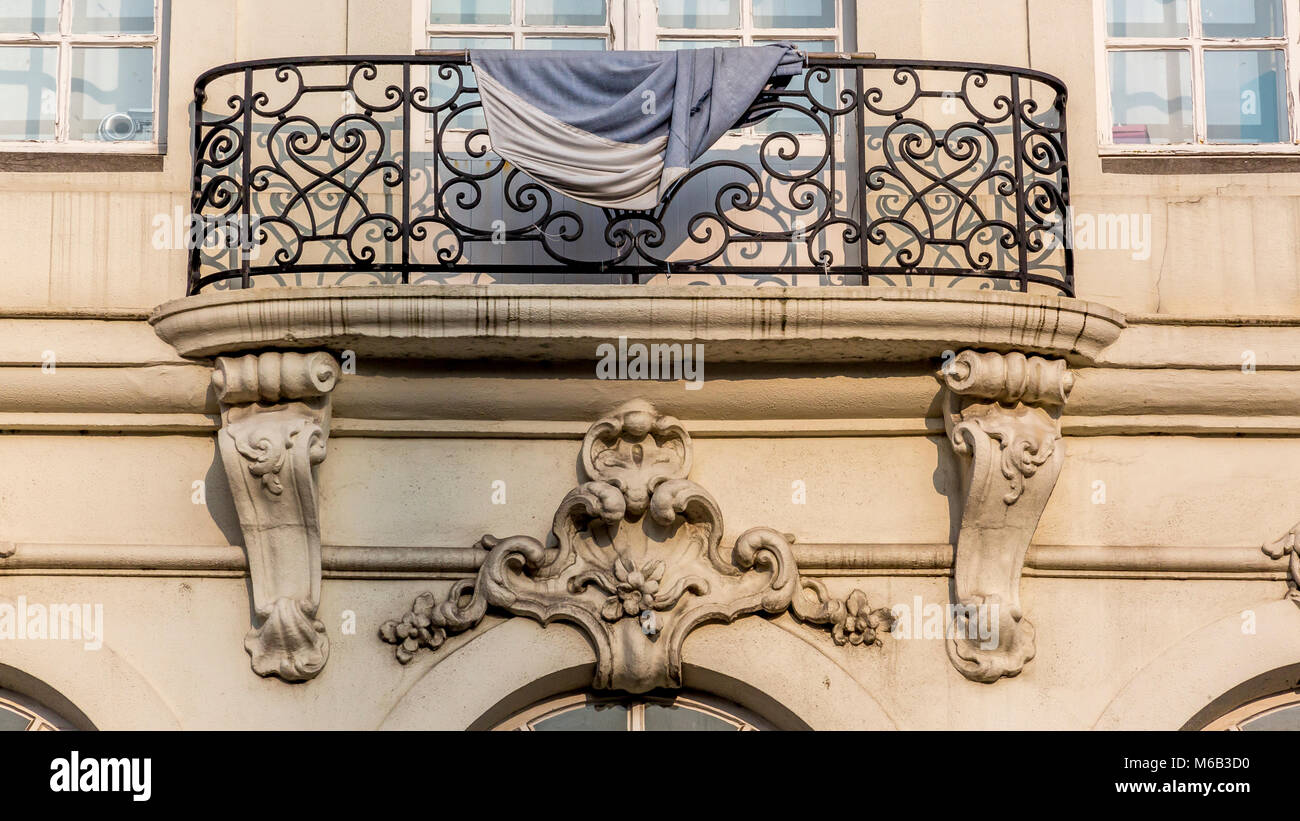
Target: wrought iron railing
(364,170)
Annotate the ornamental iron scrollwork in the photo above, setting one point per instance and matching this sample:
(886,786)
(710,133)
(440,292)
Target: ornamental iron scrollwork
(351,171)
(635,561)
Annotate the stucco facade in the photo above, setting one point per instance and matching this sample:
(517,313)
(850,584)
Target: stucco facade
(1159,408)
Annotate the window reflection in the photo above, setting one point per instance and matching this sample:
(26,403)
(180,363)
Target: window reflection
(1245,96)
(112,94)
(1147,18)
(1151,96)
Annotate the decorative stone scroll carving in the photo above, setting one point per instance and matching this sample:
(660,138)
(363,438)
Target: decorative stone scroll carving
(275,415)
(1286,546)
(635,560)
(1002,413)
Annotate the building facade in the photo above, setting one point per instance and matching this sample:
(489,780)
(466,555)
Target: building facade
(960,392)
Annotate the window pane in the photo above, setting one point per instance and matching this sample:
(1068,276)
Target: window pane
(11,720)
(794,14)
(112,94)
(29,95)
(469,11)
(699,14)
(1151,96)
(1245,96)
(673,45)
(564,12)
(1242,18)
(823,92)
(590,717)
(458,43)
(112,16)
(29,16)
(1147,18)
(1288,718)
(674,717)
(565,43)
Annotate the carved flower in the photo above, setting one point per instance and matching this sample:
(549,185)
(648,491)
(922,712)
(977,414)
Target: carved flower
(861,622)
(635,589)
(415,630)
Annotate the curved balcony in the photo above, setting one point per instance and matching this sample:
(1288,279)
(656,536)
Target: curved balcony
(328,171)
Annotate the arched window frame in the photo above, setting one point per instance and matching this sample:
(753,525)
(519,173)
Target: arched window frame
(739,717)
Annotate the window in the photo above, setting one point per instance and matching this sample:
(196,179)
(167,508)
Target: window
(18,713)
(1276,712)
(1197,75)
(81,75)
(674,712)
(627,24)
(811,25)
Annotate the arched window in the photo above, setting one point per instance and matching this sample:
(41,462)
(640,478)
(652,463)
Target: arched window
(586,711)
(19,713)
(1276,712)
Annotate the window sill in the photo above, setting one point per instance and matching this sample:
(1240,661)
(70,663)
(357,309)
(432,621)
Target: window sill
(1199,160)
(70,161)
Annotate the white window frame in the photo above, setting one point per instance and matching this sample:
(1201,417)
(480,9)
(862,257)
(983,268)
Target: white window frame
(632,25)
(1197,44)
(65,40)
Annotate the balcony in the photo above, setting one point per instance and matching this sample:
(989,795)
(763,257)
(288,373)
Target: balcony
(932,195)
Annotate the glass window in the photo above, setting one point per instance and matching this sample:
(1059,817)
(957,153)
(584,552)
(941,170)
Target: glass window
(699,14)
(92,77)
(565,43)
(591,712)
(112,16)
(1146,18)
(794,14)
(112,94)
(564,12)
(1275,713)
(29,16)
(19,713)
(460,12)
(1151,96)
(1242,18)
(1208,73)
(29,92)
(1245,95)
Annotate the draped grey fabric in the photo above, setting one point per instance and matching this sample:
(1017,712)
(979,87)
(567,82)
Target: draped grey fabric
(617,128)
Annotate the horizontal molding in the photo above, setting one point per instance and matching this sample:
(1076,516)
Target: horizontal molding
(545,322)
(1060,561)
(196,424)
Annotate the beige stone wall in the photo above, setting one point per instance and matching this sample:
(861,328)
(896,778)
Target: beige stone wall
(101,454)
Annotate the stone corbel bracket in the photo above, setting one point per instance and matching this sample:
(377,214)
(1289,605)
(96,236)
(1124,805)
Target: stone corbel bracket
(1002,413)
(1288,546)
(635,561)
(275,415)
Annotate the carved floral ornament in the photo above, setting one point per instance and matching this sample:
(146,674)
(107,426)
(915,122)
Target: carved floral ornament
(635,561)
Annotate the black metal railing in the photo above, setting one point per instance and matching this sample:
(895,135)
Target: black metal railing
(365,170)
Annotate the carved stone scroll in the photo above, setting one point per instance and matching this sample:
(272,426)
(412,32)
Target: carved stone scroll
(1002,413)
(275,414)
(635,560)
(1286,546)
